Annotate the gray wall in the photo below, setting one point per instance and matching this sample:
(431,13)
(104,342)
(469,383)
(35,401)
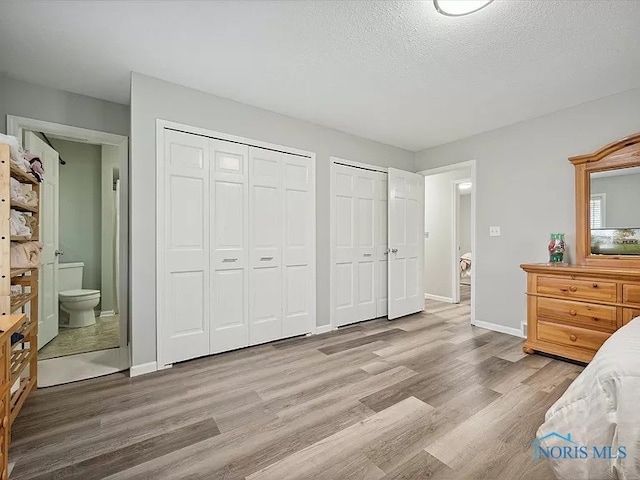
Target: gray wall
(464,224)
(438,221)
(622,199)
(42,103)
(526,185)
(80,217)
(152,99)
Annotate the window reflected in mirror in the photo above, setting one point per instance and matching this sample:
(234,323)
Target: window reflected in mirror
(615,212)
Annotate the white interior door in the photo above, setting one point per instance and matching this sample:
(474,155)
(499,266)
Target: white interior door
(298,245)
(229,246)
(48,280)
(406,227)
(185,315)
(356,276)
(266,227)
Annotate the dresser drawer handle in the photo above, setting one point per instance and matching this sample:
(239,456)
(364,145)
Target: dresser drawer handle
(573,288)
(573,338)
(573,313)
(595,285)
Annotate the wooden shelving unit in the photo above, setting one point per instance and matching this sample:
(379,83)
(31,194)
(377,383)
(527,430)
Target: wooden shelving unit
(22,356)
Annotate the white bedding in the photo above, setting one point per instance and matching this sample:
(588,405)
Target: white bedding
(600,409)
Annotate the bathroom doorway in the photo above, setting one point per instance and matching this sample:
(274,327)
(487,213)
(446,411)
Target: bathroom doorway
(83,327)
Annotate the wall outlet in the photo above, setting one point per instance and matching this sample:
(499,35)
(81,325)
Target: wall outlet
(494,231)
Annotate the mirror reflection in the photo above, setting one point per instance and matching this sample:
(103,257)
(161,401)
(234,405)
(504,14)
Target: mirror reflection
(615,212)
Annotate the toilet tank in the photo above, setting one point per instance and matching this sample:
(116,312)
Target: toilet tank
(70,276)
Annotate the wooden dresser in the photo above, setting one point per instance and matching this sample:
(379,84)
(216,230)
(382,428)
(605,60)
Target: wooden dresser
(572,310)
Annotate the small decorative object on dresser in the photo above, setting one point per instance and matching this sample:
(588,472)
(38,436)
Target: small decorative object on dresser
(556,248)
(573,309)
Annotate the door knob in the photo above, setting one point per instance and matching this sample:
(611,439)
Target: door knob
(394,250)
(59,252)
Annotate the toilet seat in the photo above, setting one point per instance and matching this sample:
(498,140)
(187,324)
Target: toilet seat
(77,295)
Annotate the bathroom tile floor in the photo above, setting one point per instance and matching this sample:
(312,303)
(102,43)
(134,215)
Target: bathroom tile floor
(71,341)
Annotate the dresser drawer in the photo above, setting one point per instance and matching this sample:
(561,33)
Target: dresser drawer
(629,314)
(572,336)
(578,289)
(588,315)
(631,293)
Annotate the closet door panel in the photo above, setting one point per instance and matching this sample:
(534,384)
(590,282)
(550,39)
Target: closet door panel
(298,213)
(345,281)
(265,187)
(229,239)
(185,320)
(366,235)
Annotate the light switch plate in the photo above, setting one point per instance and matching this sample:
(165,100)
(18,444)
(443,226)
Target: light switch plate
(494,231)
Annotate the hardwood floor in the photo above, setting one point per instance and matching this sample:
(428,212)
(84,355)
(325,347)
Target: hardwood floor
(426,396)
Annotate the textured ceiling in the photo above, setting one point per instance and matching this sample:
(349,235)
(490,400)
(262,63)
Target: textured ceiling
(396,72)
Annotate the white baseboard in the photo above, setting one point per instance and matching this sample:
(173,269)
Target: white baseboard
(143,369)
(108,313)
(498,328)
(324,329)
(438,298)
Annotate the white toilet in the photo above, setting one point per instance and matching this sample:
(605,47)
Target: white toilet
(75,302)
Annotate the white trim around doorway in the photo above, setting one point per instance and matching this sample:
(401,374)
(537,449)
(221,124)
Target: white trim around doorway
(454,263)
(104,362)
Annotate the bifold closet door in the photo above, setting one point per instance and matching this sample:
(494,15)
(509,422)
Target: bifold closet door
(382,243)
(356,279)
(185,316)
(281,233)
(265,206)
(229,213)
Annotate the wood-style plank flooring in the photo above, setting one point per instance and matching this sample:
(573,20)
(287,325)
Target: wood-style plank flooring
(427,396)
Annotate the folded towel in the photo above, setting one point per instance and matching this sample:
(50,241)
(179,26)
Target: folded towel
(19,226)
(25,255)
(14,146)
(20,194)
(32,222)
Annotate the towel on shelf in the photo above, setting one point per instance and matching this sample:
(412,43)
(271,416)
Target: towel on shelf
(19,226)
(20,194)
(14,146)
(25,255)
(32,222)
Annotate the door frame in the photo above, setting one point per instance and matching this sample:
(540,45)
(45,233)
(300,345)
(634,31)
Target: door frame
(161,125)
(16,126)
(349,163)
(454,264)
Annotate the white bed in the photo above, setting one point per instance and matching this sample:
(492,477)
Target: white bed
(600,409)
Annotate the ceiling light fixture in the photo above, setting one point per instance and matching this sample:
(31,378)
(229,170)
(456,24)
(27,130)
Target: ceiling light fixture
(457,8)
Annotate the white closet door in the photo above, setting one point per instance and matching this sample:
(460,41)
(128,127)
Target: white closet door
(406,259)
(355,269)
(185,316)
(382,244)
(298,256)
(265,196)
(367,264)
(229,246)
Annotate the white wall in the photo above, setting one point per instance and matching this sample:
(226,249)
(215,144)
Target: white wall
(28,100)
(622,199)
(80,203)
(438,222)
(152,99)
(526,186)
(464,223)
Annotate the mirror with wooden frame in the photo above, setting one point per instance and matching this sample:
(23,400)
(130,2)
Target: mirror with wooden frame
(608,205)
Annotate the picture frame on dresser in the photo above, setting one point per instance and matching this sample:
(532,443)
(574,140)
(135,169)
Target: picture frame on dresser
(573,309)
